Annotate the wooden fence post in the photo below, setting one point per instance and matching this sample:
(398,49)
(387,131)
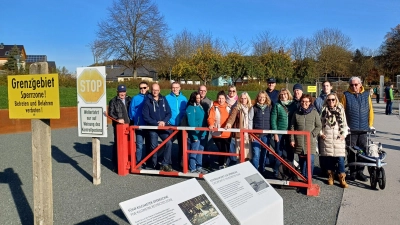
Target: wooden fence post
(41,162)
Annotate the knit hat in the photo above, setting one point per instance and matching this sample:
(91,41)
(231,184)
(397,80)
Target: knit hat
(298,86)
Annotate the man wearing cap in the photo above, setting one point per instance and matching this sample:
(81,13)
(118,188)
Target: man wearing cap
(297,93)
(118,109)
(156,112)
(271,92)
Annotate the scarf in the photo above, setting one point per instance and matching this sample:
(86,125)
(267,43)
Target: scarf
(232,100)
(331,116)
(245,115)
(304,111)
(285,105)
(262,106)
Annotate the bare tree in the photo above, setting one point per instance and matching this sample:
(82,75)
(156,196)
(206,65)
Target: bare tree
(98,51)
(300,48)
(266,43)
(133,32)
(328,37)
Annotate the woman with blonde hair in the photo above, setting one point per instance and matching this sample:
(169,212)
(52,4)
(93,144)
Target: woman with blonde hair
(260,119)
(332,142)
(280,121)
(239,118)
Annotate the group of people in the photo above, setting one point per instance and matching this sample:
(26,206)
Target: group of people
(388,96)
(326,118)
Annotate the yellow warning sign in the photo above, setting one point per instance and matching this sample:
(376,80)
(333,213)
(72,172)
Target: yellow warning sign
(33,96)
(312,89)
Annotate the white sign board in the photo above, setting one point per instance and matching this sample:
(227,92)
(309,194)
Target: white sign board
(92,101)
(247,194)
(183,203)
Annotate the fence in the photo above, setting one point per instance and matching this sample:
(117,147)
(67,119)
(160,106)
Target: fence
(127,153)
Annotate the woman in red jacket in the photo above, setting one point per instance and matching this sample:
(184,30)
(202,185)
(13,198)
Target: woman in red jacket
(217,118)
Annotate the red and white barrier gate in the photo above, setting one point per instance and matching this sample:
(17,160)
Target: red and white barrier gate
(127,153)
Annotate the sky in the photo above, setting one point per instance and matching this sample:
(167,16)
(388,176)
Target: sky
(63,29)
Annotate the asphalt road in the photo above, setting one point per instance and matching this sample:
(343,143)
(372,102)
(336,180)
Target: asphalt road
(78,201)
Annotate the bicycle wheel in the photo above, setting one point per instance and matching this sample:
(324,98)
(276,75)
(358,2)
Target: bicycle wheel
(382,178)
(373,179)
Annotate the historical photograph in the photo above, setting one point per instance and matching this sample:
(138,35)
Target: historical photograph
(256,182)
(198,209)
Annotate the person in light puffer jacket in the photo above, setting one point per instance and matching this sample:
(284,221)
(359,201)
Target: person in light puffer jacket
(332,143)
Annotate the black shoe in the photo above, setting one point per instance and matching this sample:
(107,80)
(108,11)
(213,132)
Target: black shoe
(166,168)
(352,177)
(360,176)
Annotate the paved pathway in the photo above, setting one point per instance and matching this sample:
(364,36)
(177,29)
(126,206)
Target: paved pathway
(360,204)
(78,201)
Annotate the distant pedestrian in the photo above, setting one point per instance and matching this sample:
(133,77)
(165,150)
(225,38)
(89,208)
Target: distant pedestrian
(118,109)
(389,99)
(377,92)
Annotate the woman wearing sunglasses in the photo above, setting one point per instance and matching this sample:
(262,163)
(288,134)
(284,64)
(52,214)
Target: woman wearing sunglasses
(332,142)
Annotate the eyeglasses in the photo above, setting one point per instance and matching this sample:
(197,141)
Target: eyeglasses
(353,85)
(305,101)
(232,91)
(141,88)
(331,99)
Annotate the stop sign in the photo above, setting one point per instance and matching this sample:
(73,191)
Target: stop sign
(91,85)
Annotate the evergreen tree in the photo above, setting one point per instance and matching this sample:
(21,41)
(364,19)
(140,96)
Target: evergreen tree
(11,64)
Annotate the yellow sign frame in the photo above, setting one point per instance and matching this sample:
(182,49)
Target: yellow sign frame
(312,89)
(35,96)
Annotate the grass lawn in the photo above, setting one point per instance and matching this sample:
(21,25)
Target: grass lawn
(68,95)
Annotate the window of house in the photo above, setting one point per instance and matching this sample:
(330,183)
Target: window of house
(6,53)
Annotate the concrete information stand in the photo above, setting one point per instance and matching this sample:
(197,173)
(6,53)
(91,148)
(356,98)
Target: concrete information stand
(183,203)
(247,194)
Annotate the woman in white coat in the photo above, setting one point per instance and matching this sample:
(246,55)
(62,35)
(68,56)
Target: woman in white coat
(333,133)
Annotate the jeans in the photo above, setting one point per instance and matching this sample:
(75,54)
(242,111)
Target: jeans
(303,164)
(388,110)
(167,147)
(232,160)
(279,148)
(196,160)
(377,98)
(178,136)
(259,153)
(223,146)
(140,135)
(331,162)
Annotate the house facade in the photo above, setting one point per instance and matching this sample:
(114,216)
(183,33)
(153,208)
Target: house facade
(5,51)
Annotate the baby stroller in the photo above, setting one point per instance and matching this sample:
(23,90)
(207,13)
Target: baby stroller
(372,157)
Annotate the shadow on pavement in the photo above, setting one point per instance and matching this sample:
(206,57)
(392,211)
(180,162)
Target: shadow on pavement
(21,203)
(61,157)
(103,219)
(105,152)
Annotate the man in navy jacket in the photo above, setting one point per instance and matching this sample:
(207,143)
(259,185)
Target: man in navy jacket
(156,112)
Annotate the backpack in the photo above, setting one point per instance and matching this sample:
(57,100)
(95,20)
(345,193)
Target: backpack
(285,173)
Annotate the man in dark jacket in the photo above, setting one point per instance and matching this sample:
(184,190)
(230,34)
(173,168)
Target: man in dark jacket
(156,112)
(271,92)
(118,109)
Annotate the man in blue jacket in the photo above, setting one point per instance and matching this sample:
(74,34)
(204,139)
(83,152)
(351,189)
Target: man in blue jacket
(136,116)
(177,101)
(156,112)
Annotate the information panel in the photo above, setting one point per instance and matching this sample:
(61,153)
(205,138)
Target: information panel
(33,96)
(179,204)
(91,93)
(247,194)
